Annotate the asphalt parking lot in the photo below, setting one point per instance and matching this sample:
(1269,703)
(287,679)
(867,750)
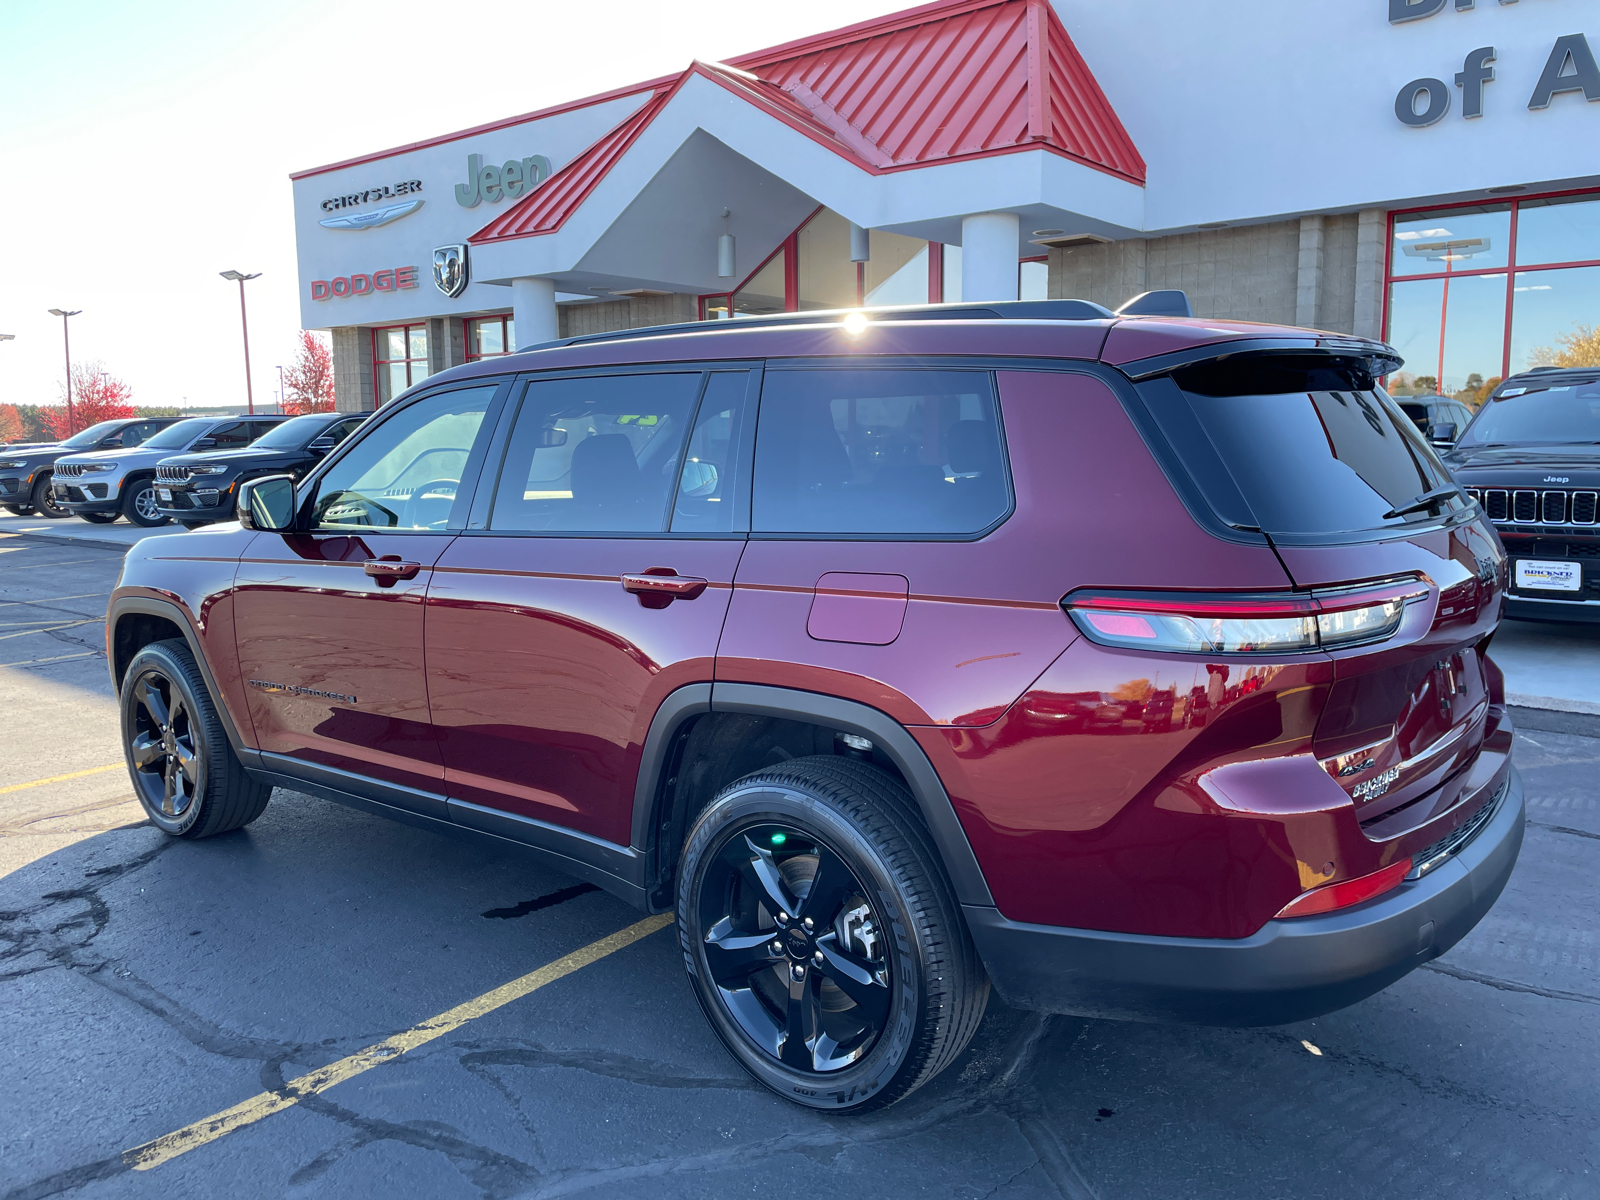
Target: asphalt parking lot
(152,987)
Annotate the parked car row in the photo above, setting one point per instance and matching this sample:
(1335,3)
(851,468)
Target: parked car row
(153,471)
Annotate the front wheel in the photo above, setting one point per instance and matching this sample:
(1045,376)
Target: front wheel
(821,937)
(139,504)
(185,773)
(44,500)
(18,510)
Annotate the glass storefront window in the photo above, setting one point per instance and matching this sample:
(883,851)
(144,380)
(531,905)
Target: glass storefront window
(489,337)
(1461,239)
(764,294)
(399,359)
(1551,314)
(897,273)
(1447,330)
(1033,279)
(827,276)
(1563,230)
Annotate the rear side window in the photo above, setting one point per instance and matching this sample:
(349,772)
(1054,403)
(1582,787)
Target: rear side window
(1298,446)
(596,454)
(879,451)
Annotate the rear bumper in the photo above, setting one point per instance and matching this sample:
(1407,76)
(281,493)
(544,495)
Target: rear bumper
(1288,971)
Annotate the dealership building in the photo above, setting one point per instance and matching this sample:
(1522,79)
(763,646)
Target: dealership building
(1425,171)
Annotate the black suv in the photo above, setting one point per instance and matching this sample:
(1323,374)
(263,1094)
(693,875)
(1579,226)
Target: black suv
(200,488)
(25,470)
(1531,457)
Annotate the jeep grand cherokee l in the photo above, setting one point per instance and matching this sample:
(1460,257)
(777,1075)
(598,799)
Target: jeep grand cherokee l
(1531,457)
(807,630)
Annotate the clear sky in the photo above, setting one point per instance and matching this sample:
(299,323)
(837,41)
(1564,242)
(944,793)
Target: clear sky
(146,146)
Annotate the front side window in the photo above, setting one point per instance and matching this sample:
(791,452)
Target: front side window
(595,454)
(407,474)
(878,452)
(232,436)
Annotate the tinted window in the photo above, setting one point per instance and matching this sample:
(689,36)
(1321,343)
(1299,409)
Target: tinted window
(878,452)
(133,435)
(232,436)
(291,434)
(407,474)
(595,454)
(1313,446)
(176,437)
(1551,416)
(711,494)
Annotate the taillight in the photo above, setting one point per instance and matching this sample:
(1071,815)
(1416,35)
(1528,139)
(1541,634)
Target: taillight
(1260,623)
(1332,896)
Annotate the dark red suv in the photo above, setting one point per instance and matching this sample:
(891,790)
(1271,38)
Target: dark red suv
(1135,667)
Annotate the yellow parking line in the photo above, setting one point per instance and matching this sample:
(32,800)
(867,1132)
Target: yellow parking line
(34,662)
(257,1108)
(17,787)
(52,628)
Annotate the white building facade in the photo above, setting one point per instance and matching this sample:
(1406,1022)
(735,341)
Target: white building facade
(1426,171)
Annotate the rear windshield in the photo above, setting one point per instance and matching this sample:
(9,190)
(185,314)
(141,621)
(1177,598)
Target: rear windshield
(1299,446)
(1549,416)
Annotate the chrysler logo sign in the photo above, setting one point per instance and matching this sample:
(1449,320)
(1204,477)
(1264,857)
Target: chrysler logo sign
(371,219)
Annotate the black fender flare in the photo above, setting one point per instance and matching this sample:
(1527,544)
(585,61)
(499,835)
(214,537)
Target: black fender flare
(847,716)
(123,606)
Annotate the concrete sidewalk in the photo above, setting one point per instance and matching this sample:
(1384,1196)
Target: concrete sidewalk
(75,531)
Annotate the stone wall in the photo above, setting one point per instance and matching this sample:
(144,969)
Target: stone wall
(352,369)
(602,316)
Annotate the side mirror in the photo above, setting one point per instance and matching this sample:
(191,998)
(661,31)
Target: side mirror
(204,443)
(699,479)
(267,504)
(321,445)
(1444,434)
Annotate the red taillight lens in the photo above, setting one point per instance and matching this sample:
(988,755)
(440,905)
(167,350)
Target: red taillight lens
(1266,623)
(1347,892)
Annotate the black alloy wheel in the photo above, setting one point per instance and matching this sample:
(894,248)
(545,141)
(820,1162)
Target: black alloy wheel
(821,937)
(139,504)
(184,771)
(44,500)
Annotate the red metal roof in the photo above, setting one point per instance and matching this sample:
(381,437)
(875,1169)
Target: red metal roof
(955,79)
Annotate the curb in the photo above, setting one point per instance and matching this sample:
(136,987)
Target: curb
(1553,704)
(96,543)
(1555,721)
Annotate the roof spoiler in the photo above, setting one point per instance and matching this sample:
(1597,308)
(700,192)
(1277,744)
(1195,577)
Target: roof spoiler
(1168,302)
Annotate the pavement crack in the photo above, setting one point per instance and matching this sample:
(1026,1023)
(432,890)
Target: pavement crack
(1583,833)
(548,900)
(605,1063)
(1507,985)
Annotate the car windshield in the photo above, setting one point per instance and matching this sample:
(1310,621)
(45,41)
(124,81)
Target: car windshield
(1550,416)
(91,436)
(176,437)
(292,434)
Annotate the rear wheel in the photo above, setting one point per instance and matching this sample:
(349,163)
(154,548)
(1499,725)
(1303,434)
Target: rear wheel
(139,504)
(821,938)
(185,773)
(44,501)
(20,510)
(95,518)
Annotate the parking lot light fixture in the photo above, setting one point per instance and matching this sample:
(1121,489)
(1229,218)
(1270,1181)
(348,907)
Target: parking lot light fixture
(244,323)
(66,343)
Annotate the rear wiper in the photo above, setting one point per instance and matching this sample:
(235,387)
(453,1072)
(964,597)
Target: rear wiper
(1426,500)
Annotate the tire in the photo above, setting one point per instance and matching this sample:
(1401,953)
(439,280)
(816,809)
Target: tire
(171,731)
(885,923)
(20,510)
(44,501)
(194,524)
(98,518)
(139,504)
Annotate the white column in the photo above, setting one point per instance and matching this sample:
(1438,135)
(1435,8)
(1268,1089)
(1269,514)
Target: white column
(533,307)
(989,243)
(1372,231)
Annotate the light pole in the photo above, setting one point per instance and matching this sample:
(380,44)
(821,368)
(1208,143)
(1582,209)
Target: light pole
(280,387)
(249,392)
(66,343)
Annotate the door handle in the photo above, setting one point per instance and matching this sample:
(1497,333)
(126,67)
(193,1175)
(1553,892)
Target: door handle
(658,587)
(390,568)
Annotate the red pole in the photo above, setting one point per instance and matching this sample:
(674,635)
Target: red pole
(66,343)
(249,392)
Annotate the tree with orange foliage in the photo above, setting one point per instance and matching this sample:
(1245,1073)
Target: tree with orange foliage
(10,424)
(308,384)
(96,396)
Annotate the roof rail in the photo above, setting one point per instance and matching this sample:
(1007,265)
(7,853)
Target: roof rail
(999,310)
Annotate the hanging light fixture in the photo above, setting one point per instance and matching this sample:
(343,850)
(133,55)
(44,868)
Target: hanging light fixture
(725,257)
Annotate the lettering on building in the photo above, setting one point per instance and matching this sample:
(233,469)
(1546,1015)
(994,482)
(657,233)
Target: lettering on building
(372,195)
(390,279)
(509,180)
